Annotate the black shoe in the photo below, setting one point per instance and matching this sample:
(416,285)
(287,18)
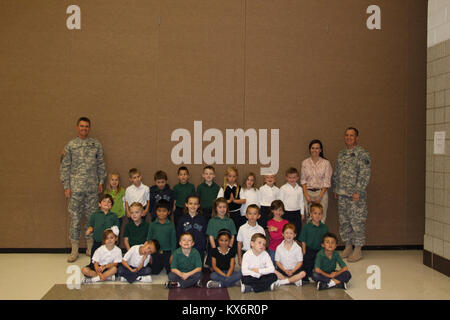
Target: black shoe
(341,285)
(171,285)
(322,285)
(198,284)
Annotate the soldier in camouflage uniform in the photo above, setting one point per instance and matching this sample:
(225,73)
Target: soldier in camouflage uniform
(350,179)
(83,172)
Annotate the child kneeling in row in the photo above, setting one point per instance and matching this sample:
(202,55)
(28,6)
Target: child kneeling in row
(136,262)
(105,260)
(257,267)
(325,273)
(186,265)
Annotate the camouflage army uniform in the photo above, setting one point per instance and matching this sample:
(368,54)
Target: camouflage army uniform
(82,170)
(351,176)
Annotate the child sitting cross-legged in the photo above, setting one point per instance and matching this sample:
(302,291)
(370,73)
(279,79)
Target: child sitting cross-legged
(135,264)
(186,265)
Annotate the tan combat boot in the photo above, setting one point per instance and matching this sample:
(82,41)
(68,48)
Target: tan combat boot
(347,251)
(74,254)
(89,244)
(356,255)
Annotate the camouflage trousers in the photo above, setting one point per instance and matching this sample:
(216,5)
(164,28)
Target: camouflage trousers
(352,220)
(81,203)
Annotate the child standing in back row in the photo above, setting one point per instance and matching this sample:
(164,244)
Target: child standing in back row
(181,191)
(137,192)
(251,195)
(267,194)
(207,191)
(292,196)
(231,191)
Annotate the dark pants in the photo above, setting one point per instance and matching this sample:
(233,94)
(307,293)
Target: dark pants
(95,246)
(132,276)
(308,261)
(207,212)
(284,274)
(189,282)
(264,212)
(160,261)
(236,217)
(295,218)
(262,283)
(343,277)
(178,213)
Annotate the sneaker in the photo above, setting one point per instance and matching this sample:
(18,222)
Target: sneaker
(112,278)
(213,284)
(171,284)
(86,280)
(273,285)
(242,287)
(341,285)
(299,283)
(146,279)
(122,279)
(306,280)
(321,285)
(198,284)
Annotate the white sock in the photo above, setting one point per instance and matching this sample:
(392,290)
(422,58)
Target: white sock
(95,279)
(331,284)
(284,281)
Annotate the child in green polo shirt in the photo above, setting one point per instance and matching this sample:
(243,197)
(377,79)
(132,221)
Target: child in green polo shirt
(311,239)
(164,231)
(207,191)
(181,191)
(220,220)
(136,231)
(186,266)
(325,273)
(99,222)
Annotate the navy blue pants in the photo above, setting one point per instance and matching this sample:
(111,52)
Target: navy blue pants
(132,276)
(160,261)
(343,277)
(262,283)
(295,218)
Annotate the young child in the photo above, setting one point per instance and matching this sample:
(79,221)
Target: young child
(193,223)
(251,195)
(137,192)
(231,191)
(257,268)
(289,258)
(186,266)
(325,266)
(207,191)
(267,194)
(136,230)
(161,190)
(105,260)
(292,196)
(181,191)
(163,231)
(223,263)
(117,192)
(99,222)
(247,230)
(220,220)
(311,238)
(135,263)
(275,227)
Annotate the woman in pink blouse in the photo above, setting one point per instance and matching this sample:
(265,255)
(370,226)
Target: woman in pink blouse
(316,178)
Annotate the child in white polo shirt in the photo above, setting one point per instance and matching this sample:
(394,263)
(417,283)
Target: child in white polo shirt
(268,193)
(137,192)
(247,230)
(257,267)
(289,258)
(292,196)
(135,263)
(104,262)
(250,193)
